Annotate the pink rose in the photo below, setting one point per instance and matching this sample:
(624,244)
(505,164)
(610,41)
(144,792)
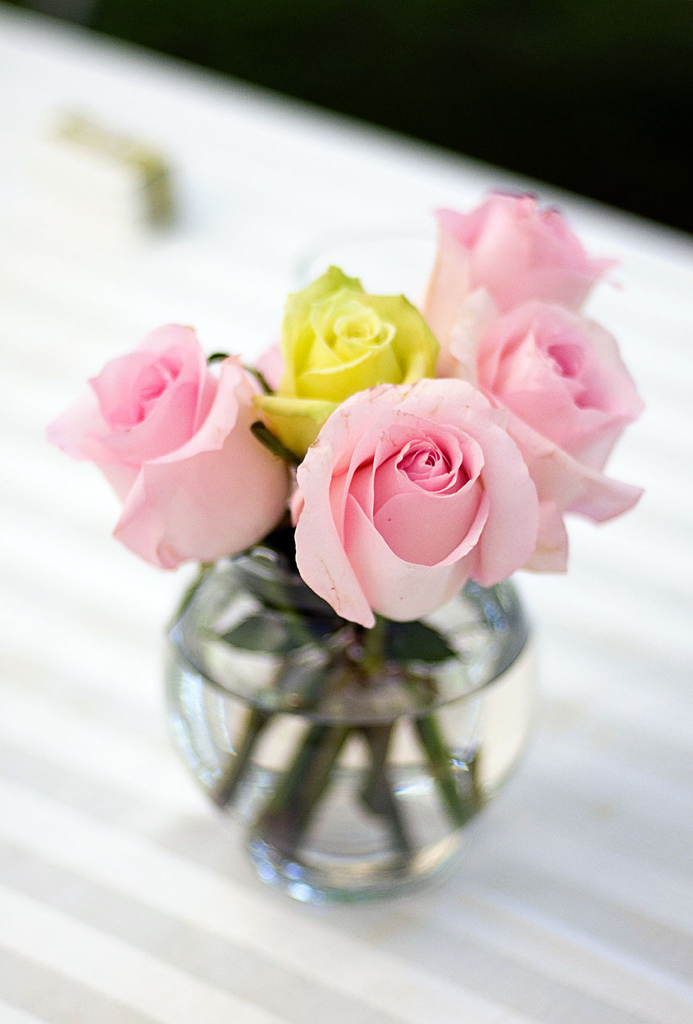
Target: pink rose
(569,397)
(408,492)
(174,441)
(515,252)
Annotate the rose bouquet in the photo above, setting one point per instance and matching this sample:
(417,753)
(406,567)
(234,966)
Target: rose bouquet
(378,462)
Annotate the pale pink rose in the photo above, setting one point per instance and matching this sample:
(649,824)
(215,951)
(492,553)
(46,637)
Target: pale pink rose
(173,439)
(513,250)
(408,492)
(569,397)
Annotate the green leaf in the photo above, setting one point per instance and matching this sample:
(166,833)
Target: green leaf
(276,632)
(266,437)
(217,357)
(414,641)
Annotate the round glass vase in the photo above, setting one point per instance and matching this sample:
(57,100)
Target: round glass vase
(353,759)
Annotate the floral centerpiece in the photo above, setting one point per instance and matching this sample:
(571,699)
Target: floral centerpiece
(356,502)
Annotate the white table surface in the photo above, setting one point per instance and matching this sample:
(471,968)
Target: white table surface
(123,898)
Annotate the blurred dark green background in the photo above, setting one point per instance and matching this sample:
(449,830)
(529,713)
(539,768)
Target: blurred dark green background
(592,95)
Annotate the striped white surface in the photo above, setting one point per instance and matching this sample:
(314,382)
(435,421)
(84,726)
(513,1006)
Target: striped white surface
(123,899)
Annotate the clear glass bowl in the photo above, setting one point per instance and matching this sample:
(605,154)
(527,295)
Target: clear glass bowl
(353,759)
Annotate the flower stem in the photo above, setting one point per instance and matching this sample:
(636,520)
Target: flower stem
(377,794)
(459,809)
(373,656)
(287,814)
(227,784)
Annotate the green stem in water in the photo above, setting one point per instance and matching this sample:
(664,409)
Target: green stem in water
(377,794)
(459,809)
(227,784)
(373,656)
(287,815)
(477,794)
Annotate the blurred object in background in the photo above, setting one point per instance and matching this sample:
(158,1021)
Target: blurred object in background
(92,182)
(594,97)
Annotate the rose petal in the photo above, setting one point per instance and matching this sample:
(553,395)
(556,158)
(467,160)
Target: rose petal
(447,290)
(551,553)
(316,534)
(404,524)
(392,586)
(572,486)
(79,430)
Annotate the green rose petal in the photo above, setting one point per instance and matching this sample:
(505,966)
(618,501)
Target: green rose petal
(295,421)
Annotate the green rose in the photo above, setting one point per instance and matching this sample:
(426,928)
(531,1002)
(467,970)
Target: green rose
(337,340)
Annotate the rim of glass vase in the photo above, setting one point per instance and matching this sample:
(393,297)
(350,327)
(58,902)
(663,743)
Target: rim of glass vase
(510,656)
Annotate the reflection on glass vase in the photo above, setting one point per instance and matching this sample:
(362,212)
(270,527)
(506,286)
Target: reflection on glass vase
(353,758)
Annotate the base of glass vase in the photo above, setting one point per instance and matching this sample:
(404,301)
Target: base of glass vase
(350,880)
(343,881)
(349,854)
